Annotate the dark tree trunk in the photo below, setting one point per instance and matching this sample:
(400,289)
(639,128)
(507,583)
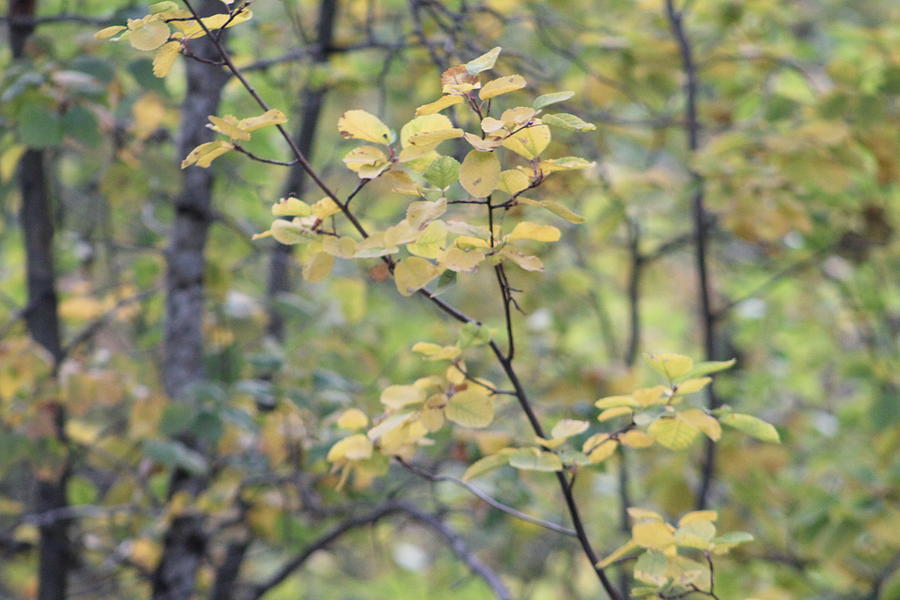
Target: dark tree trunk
(42,320)
(184,544)
(313,99)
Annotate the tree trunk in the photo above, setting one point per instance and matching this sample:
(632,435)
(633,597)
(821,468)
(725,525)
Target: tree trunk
(42,321)
(184,544)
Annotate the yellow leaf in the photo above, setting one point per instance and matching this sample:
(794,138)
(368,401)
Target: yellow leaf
(432,419)
(204,154)
(430,242)
(108,32)
(355,447)
(291,207)
(526,230)
(671,366)
(431,139)
(398,396)
(533,459)
(148,114)
(339,247)
(324,208)
(438,105)
(270,117)
(228,126)
(618,553)
(649,396)
(9,160)
(603,451)
(148,33)
(502,85)
(479,173)
(472,407)
(419,214)
(402,183)
(529,142)
(692,385)
(557,209)
(81,308)
(615,401)
(513,181)
(459,260)
(708,425)
(165,58)
(484,62)
(485,464)
(567,428)
(642,514)
(524,261)
(636,439)
(673,433)
(487,144)
(414,273)
(193,30)
(352,418)
(436,352)
(290,232)
(144,552)
(656,535)
(367,161)
(699,515)
(418,157)
(364,126)
(612,413)
(318,266)
(457,80)
(491,125)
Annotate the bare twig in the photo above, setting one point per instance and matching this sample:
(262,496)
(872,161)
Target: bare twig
(487,499)
(390,508)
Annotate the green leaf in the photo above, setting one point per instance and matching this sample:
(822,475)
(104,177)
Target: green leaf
(733,538)
(568,121)
(442,172)
(752,426)
(485,464)
(533,459)
(473,334)
(40,126)
(548,99)
(673,434)
(174,454)
(651,567)
(484,62)
(705,368)
(81,124)
(472,407)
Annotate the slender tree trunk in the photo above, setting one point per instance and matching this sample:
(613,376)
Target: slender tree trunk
(42,320)
(184,544)
(313,100)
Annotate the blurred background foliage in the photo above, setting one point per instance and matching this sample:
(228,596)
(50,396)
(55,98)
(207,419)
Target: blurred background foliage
(798,103)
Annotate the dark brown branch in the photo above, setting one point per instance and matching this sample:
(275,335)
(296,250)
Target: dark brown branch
(505,363)
(704,286)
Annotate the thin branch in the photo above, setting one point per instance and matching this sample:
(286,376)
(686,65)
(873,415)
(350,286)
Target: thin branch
(268,161)
(775,279)
(706,315)
(91,329)
(447,308)
(370,518)
(61,19)
(487,499)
